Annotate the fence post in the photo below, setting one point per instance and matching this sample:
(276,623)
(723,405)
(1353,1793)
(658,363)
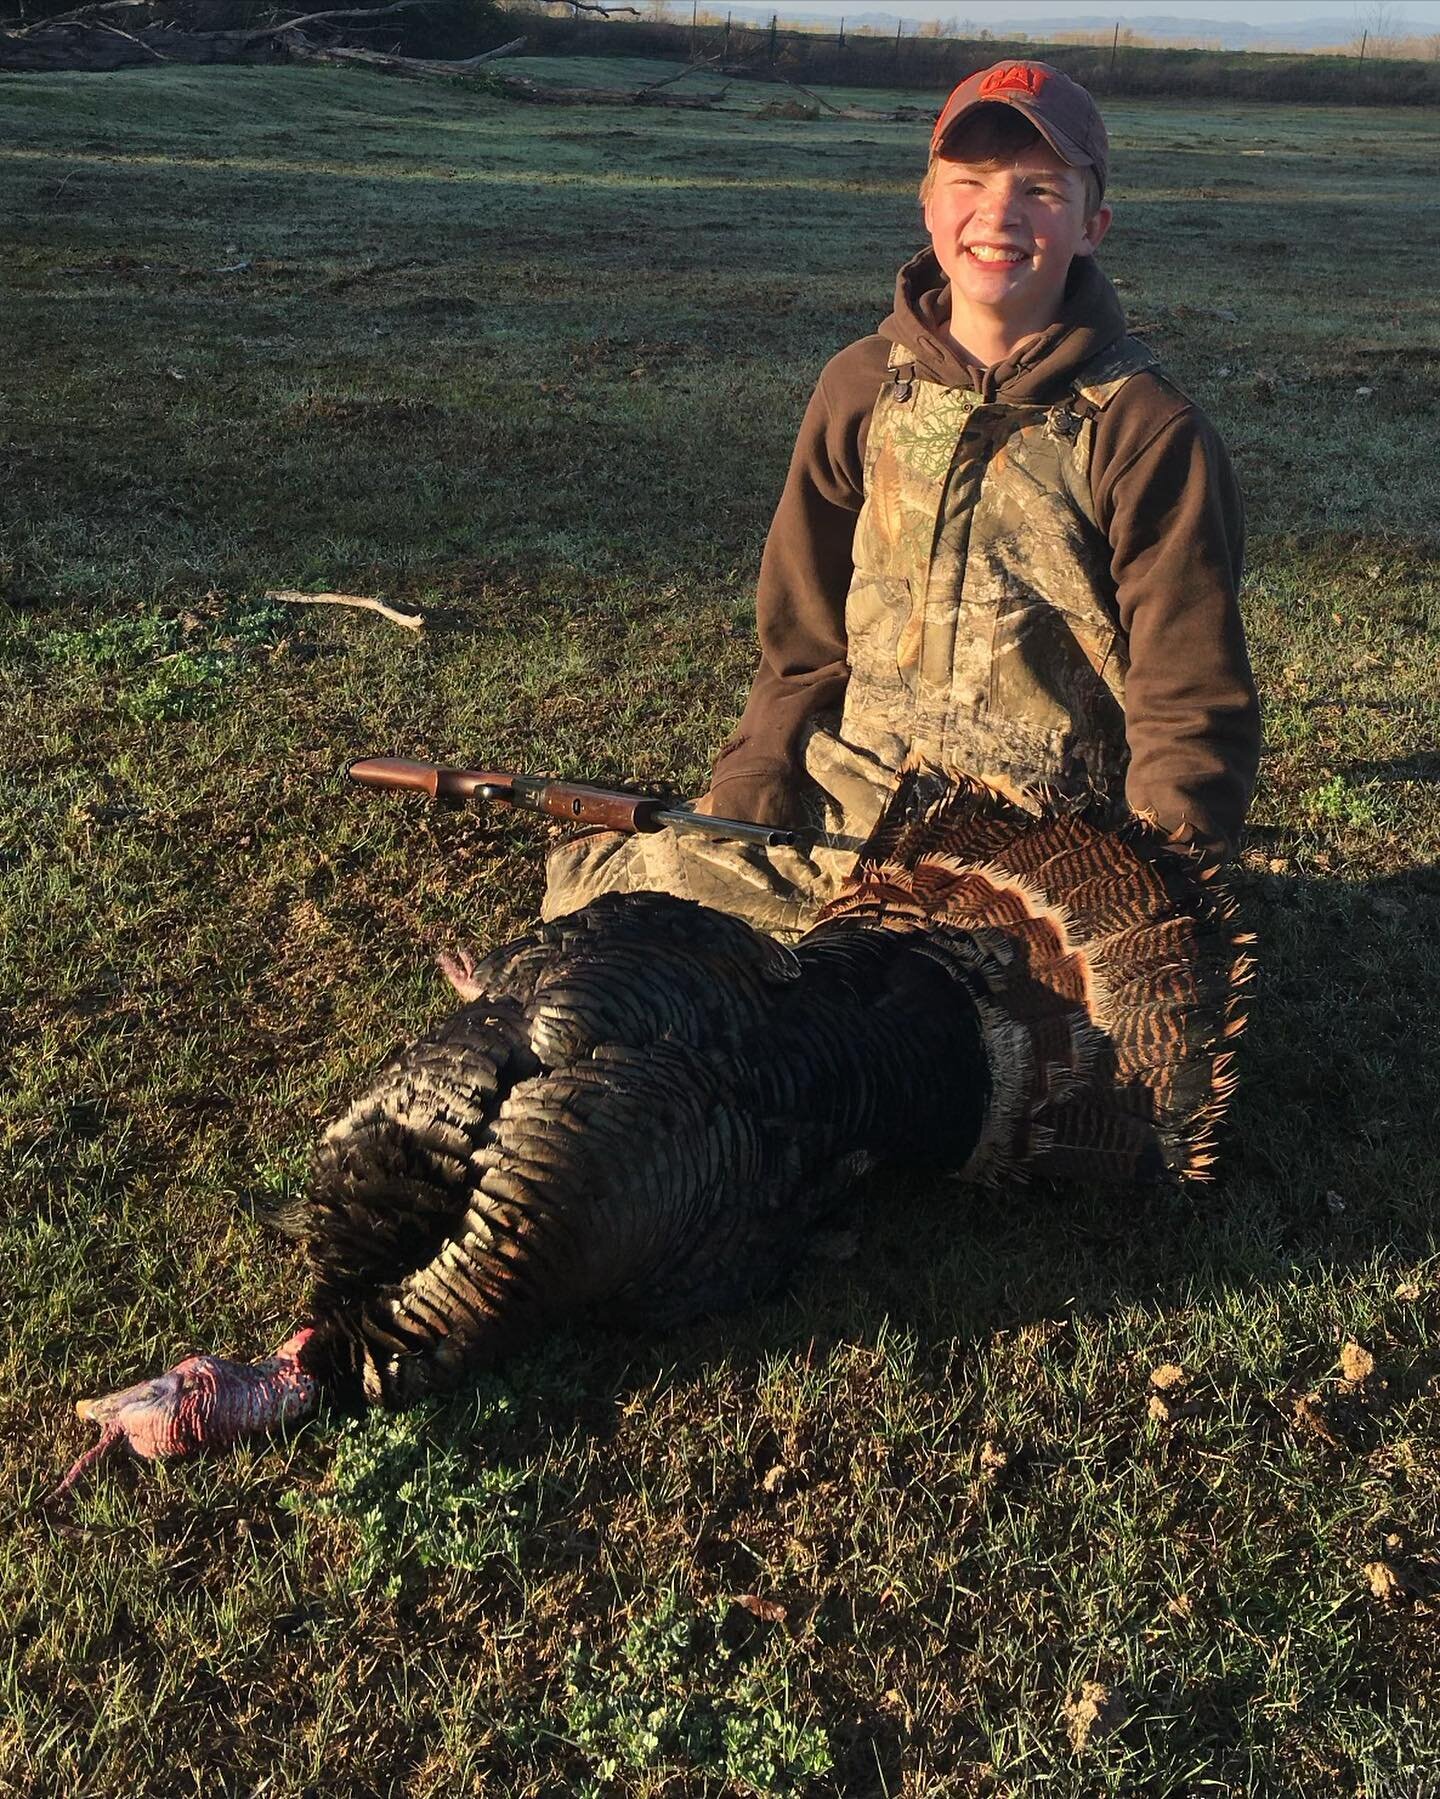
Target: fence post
(898,29)
(774,36)
(1364,35)
(1114,46)
(728,17)
(842,36)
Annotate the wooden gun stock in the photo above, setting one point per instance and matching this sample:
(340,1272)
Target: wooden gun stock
(608,808)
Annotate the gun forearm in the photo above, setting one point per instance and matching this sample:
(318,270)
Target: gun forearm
(575,802)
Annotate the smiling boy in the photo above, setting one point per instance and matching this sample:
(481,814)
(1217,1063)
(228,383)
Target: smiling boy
(1007,543)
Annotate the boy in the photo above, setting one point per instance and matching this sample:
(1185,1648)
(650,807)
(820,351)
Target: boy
(1007,543)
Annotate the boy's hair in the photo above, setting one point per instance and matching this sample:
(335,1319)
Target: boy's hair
(992,135)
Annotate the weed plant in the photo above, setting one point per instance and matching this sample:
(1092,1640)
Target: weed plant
(935,1524)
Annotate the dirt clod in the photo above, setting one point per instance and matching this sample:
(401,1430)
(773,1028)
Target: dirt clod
(1169,1384)
(993,1460)
(1387,1582)
(1361,1382)
(1357,1364)
(777,1479)
(1092,1714)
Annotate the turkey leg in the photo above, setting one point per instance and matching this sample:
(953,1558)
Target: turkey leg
(459,970)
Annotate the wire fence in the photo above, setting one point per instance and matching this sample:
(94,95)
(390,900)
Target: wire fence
(923,60)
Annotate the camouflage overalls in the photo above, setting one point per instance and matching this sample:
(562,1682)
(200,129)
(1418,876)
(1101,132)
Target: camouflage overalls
(981,632)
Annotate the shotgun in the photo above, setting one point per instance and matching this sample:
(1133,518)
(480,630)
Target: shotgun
(611,808)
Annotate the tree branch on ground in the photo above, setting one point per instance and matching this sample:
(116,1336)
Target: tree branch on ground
(411,621)
(301,50)
(841,111)
(130,38)
(690,69)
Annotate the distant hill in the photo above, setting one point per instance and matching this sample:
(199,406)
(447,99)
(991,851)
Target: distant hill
(1230,34)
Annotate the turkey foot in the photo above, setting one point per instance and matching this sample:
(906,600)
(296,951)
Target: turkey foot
(459,970)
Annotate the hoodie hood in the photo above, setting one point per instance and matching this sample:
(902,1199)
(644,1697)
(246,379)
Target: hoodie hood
(1091,319)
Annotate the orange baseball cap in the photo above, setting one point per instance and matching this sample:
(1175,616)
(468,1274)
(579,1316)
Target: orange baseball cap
(1059,109)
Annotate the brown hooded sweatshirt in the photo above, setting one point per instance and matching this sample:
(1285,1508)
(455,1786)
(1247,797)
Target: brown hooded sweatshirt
(1165,497)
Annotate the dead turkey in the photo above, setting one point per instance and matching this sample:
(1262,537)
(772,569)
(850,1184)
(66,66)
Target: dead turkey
(645,1108)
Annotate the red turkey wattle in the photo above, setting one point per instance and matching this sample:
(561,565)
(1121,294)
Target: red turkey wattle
(204,1402)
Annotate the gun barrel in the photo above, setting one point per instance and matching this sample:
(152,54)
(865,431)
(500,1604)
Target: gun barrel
(738,830)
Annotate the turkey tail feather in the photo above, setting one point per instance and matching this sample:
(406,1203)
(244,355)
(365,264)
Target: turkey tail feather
(1113,971)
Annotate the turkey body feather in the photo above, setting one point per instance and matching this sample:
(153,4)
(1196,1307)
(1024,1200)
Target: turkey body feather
(643,1111)
(645,1108)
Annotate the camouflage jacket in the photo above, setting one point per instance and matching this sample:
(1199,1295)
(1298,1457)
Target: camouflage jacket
(981,624)
(1070,462)
(981,634)
(961,569)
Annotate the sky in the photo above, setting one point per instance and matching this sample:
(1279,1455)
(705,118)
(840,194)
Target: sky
(1412,15)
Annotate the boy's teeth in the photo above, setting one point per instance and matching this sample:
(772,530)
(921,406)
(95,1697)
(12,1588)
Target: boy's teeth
(985,253)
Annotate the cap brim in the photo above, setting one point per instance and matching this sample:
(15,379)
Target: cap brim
(1060,142)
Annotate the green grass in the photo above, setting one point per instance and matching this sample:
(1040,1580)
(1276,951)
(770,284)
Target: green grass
(536,372)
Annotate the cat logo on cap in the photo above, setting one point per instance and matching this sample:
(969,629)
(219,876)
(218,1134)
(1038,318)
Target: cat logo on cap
(1014,77)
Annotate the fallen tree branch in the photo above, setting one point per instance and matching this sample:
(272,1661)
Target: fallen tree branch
(513,48)
(345,12)
(646,97)
(515,87)
(389,63)
(288,596)
(665,80)
(520,87)
(78,16)
(790,81)
(862,113)
(130,38)
(97,48)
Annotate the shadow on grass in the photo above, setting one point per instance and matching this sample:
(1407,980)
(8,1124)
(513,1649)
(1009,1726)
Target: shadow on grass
(1323,1165)
(1423,765)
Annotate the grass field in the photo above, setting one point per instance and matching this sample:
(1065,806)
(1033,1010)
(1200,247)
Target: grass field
(536,372)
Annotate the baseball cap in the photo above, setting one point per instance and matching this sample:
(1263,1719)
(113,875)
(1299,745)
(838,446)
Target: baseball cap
(1059,109)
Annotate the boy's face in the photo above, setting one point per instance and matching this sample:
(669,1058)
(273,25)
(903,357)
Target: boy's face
(1005,236)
